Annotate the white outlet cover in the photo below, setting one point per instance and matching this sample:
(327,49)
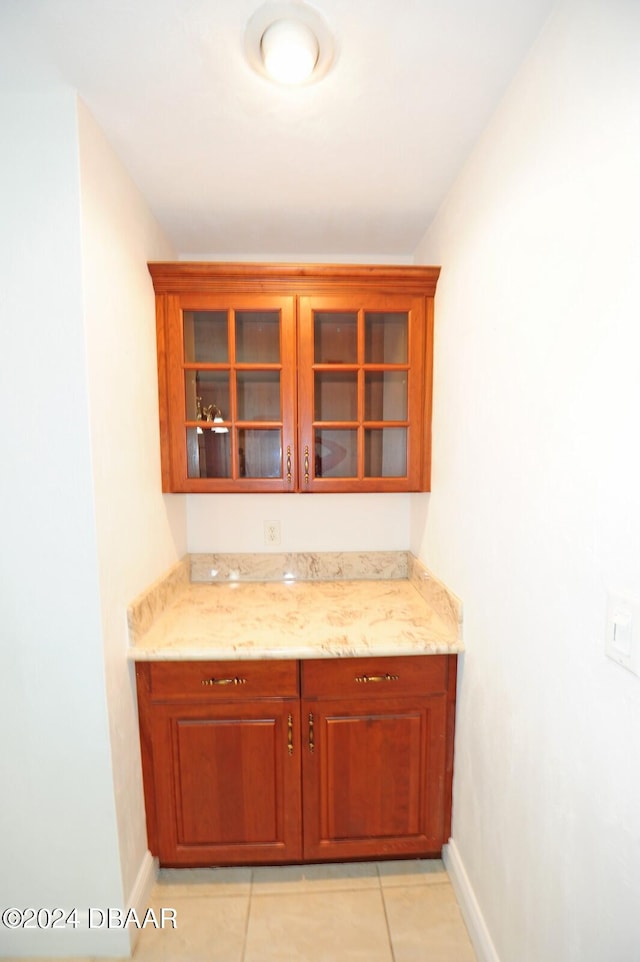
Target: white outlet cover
(271,532)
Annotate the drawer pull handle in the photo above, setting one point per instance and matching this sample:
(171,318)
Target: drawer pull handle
(365,679)
(312,743)
(288,464)
(290,733)
(224,681)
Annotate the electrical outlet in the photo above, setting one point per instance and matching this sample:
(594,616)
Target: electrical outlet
(272,532)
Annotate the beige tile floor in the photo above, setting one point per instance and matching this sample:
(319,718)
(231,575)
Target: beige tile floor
(358,912)
(402,911)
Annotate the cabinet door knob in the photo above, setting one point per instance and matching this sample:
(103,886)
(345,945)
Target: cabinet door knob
(288,464)
(306,464)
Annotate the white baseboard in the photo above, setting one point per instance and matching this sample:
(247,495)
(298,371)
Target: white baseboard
(473,917)
(141,892)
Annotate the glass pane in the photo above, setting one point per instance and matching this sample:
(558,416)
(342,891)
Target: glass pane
(336,396)
(208,453)
(206,336)
(385,396)
(336,454)
(335,337)
(385,453)
(385,338)
(258,394)
(258,337)
(206,395)
(260,453)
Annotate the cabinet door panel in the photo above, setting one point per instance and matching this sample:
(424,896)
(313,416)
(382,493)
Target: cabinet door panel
(227,377)
(374,781)
(373,787)
(222,766)
(361,391)
(227,783)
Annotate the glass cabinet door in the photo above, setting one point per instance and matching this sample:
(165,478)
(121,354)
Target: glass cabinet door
(359,399)
(238,381)
(294,377)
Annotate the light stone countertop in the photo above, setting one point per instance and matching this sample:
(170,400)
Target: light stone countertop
(301,619)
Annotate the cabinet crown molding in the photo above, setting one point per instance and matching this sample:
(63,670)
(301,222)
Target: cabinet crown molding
(180,276)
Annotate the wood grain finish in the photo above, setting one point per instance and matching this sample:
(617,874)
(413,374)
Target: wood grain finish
(374,785)
(377,677)
(222,771)
(297,292)
(223,680)
(378,781)
(200,277)
(250,773)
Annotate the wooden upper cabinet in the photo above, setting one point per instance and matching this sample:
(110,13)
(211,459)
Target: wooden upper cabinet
(294,377)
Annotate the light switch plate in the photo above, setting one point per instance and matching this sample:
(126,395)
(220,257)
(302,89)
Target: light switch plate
(622,642)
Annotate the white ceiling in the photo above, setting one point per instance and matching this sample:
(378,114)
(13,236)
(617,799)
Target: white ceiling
(233,165)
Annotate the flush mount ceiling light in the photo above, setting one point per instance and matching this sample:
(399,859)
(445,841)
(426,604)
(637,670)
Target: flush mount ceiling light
(289,51)
(289,43)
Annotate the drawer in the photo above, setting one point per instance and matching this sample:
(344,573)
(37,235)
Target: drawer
(221,680)
(384,677)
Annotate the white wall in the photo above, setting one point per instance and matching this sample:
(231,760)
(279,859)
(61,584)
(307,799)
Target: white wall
(535,510)
(84,526)
(57,818)
(140,533)
(322,522)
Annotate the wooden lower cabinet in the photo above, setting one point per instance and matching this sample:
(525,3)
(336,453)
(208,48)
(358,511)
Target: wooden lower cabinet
(322,760)
(378,780)
(220,761)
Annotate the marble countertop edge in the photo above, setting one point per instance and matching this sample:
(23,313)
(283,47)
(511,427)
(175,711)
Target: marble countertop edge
(393,606)
(299,652)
